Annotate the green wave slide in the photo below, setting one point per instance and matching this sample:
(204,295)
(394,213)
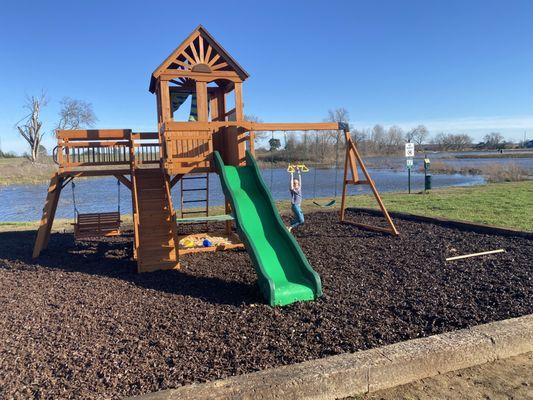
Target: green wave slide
(284,274)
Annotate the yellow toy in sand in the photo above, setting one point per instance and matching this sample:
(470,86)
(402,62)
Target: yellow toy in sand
(187,242)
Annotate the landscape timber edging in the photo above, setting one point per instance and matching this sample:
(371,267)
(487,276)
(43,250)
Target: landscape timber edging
(453,223)
(367,371)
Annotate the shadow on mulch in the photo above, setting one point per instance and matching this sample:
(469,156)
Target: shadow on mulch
(113,258)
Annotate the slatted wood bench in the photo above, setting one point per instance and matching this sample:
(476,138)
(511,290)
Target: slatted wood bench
(97,224)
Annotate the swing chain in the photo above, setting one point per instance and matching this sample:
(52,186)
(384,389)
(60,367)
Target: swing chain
(118,195)
(76,212)
(271,160)
(337,163)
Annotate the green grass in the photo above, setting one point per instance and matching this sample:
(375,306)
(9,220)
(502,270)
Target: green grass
(507,204)
(19,170)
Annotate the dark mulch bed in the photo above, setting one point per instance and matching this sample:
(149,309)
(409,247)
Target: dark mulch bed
(82,324)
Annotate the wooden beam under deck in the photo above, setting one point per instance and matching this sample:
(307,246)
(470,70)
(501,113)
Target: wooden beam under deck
(97,172)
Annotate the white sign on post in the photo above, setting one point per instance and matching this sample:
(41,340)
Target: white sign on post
(409,149)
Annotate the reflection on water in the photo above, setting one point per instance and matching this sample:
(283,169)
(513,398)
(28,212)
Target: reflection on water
(25,202)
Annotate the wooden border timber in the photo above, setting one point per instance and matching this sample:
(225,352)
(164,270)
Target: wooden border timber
(352,158)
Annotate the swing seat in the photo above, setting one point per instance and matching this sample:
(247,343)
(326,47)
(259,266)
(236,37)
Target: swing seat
(97,225)
(328,204)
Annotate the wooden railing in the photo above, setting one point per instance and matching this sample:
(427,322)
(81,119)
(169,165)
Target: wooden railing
(147,149)
(188,146)
(185,147)
(187,151)
(79,149)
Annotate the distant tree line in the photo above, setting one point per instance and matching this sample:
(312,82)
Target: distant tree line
(321,147)
(8,154)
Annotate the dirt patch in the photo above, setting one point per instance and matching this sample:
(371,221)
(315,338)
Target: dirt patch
(81,323)
(511,378)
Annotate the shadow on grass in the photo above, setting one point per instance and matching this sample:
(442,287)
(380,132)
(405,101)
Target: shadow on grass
(112,258)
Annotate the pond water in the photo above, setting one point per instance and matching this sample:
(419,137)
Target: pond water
(25,202)
(398,162)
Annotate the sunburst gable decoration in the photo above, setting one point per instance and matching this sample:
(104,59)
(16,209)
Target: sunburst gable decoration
(200,52)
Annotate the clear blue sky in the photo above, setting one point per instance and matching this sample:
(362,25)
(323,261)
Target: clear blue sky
(461,66)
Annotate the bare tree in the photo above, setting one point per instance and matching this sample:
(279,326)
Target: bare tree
(377,138)
(359,135)
(449,141)
(338,115)
(418,135)
(30,127)
(254,118)
(394,138)
(493,140)
(75,114)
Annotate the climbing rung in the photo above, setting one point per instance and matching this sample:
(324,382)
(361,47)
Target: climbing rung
(195,201)
(194,177)
(194,212)
(193,190)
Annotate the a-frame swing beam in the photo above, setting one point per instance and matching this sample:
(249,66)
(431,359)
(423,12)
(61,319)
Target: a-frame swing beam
(351,160)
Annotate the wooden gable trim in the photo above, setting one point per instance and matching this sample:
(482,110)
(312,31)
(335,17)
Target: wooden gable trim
(206,42)
(200,76)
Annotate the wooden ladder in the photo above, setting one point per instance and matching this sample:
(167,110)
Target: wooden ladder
(155,221)
(201,204)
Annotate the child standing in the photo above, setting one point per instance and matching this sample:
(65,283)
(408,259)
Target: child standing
(296,201)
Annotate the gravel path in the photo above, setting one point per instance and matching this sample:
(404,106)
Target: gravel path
(82,324)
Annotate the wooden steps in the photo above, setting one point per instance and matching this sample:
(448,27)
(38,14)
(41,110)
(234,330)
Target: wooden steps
(155,221)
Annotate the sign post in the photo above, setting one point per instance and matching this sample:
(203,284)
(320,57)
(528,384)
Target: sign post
(409,154)
(409,166)
(427,177)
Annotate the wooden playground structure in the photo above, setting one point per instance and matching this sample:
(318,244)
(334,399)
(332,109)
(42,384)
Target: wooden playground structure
(150,164)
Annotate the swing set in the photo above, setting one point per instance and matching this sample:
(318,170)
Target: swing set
(352,162)
(92,225)
(302,168)
(216,138)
